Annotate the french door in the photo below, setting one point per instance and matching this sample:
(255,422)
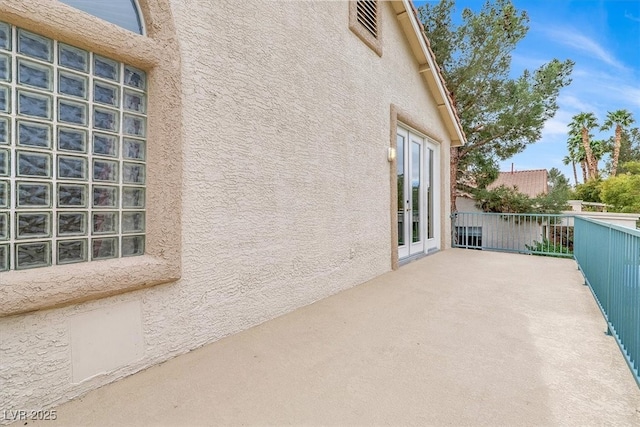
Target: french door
(418,230)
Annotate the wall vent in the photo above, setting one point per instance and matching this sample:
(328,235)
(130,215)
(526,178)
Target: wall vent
(368,15)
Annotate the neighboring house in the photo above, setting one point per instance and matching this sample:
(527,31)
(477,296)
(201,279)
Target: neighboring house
(533,182)
(231,162)
(474,230)
(530,182)
(519,234)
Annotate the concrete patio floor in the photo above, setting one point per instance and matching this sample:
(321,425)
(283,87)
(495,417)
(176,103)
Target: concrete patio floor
(458,338)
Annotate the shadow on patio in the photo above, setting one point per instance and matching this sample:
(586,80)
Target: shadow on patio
(458,338)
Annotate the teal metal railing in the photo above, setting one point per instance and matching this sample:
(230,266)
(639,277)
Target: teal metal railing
(537,234)
(607,255)
(609,258)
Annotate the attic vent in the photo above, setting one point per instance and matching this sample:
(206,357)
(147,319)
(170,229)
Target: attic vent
(368,15)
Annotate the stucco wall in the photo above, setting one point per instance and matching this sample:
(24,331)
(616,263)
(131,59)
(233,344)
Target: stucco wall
(285,192)
(623,219)
(466,204)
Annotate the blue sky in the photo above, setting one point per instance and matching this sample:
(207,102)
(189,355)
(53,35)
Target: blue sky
(603,38)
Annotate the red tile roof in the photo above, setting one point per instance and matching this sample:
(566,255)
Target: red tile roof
(529,182)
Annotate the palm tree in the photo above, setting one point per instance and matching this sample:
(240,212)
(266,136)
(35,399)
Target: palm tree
(599,149)
(582,158)
(621,119)
(582,123)
(576,155)
(570,160)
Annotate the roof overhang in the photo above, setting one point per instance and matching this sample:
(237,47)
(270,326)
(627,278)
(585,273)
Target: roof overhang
(406,14)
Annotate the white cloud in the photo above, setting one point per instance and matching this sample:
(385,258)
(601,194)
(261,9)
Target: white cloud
(579,41)
(598,92)
(601,83)
(572,102)
(557,126)
(631,17)
(554,126)
(625,93)
(528,62)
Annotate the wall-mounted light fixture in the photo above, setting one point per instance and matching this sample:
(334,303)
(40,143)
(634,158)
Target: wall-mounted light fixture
(391,154)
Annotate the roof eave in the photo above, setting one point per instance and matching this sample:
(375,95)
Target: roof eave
(406,15)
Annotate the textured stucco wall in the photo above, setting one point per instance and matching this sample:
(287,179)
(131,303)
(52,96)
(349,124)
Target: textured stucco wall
(285,191)
(466,204)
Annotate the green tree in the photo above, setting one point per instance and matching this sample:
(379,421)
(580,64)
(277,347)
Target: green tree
(631,168)
(556,198)
(556,181)
(582,124)
(503,199)
(509,200)
(622,192)
(629,145)
(553,202)
(500,115)
(589,191)
(598,150)
(620,119)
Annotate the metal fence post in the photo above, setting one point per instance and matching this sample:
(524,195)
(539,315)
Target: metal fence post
(609,246)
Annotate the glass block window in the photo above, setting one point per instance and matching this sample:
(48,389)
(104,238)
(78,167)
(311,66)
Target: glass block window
(72,154)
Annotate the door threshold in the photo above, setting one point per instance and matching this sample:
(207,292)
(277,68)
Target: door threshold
(416,257)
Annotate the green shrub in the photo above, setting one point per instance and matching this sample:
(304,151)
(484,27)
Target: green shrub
(548,248)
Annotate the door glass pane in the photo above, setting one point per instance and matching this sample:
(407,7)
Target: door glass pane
(430,195)
(400,170)
(415,191)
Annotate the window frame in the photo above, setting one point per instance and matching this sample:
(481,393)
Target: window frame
(135,8)
(471,236)
(157,54)
(53,156)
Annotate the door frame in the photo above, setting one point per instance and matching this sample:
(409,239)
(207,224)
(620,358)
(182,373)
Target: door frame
(433,243)
(429,145)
